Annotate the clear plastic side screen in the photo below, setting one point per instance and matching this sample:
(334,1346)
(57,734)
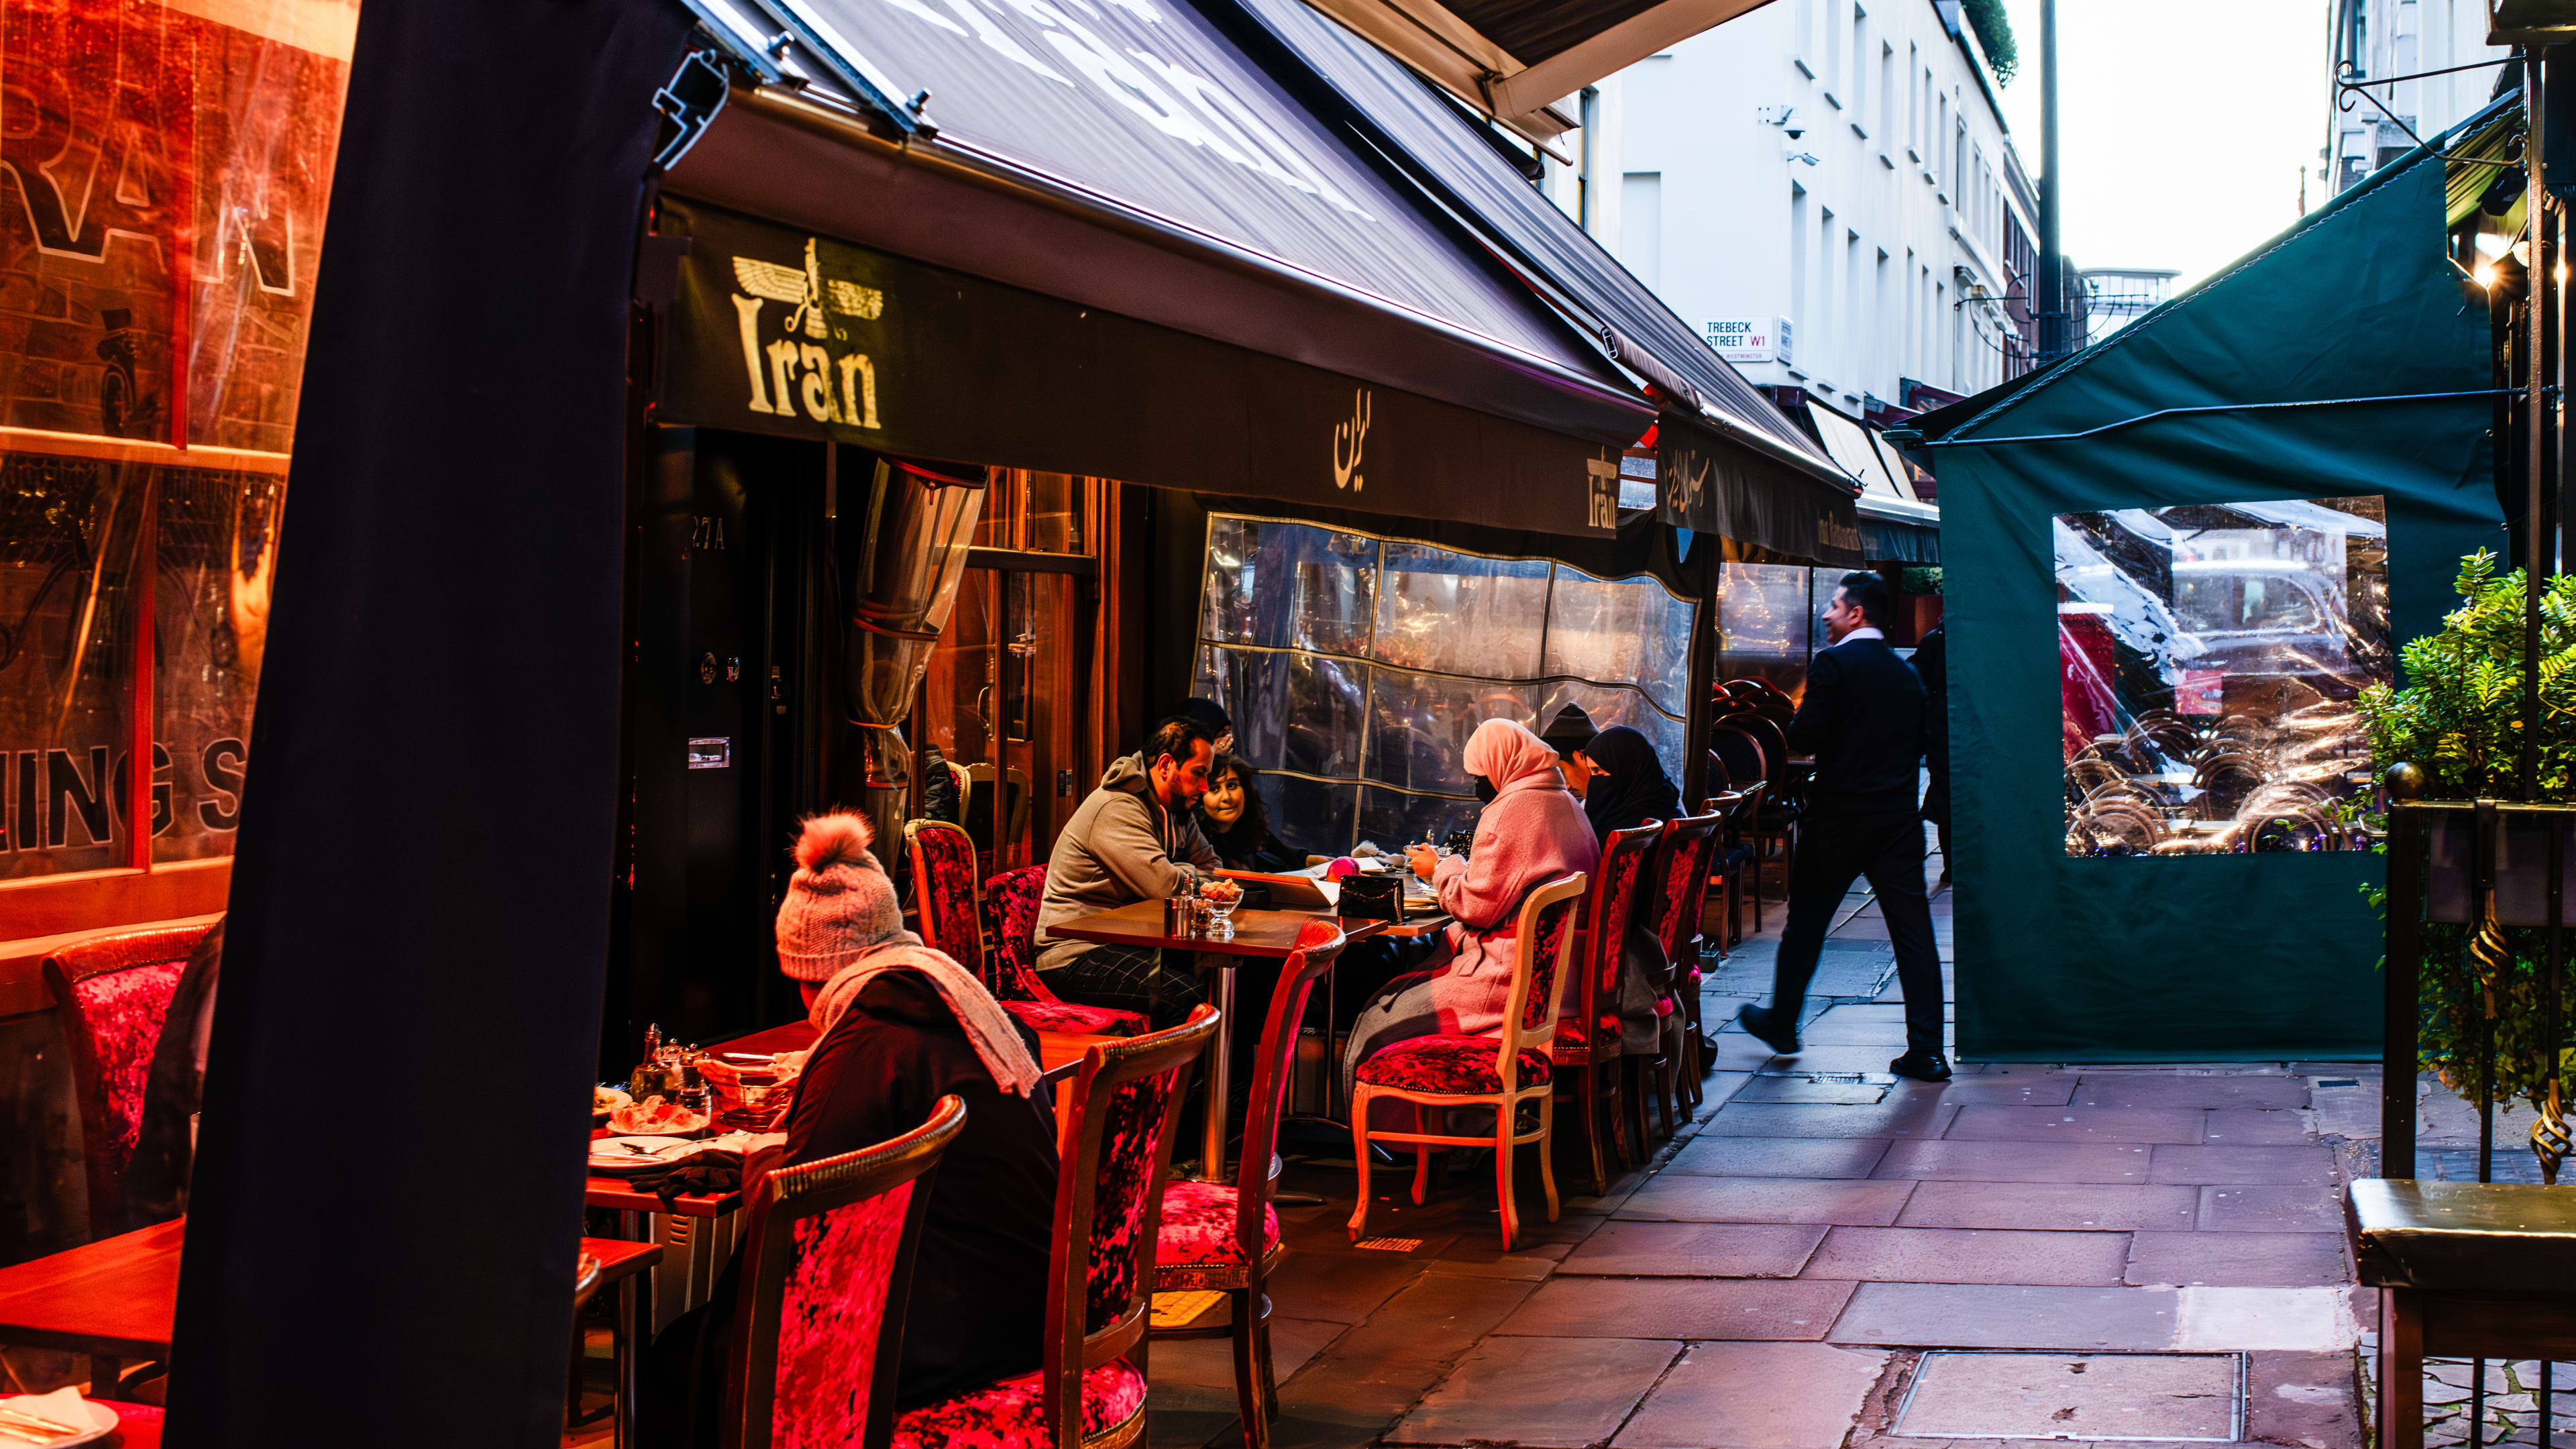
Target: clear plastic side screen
(2209,659)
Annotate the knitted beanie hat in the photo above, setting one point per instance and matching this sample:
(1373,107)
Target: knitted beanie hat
(839,903)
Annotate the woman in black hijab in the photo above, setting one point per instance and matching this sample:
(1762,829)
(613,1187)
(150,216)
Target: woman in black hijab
(1627,789)
(1629,786)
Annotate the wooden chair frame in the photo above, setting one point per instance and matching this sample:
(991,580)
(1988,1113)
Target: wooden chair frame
(1245,1281)
(1591,1076)
(1069,1352)
(781,1198)
(1678,932)
(1514,1039)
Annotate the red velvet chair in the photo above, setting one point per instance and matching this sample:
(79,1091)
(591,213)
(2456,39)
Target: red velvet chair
(952,913)
(1587,1064)
(113,994)
(1678,878)
(1227,1238)
(1088,1391)
(1504,1071)
(826,1272)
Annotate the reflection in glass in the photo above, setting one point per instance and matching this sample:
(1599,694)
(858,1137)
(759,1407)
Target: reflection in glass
(1631,630)
(68,534)
(1609,705)
(1419,723)
(1393,818)
(1763,621)
(215,535)
(2209,656)
(1288,586)
(1291,711)
(1312,816)
(1456,613)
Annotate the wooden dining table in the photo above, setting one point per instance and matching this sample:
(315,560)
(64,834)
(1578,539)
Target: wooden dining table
(1261,935)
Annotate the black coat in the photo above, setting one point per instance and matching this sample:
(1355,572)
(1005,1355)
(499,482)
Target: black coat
(1932,666)
(1863,719)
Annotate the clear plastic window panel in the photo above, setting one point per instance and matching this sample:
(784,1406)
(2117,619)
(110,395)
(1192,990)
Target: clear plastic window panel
(216,537)
(1288,586)
(1763,622)
(1355,668)
(1630,630)
(1457,613)
(2209,658)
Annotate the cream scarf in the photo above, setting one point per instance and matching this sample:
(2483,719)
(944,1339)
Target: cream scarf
(988,1028)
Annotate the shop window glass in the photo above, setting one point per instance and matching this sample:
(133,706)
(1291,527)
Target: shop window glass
(1765,618)
(170,171)
(1032,512)
(2209,657)
(1356,667)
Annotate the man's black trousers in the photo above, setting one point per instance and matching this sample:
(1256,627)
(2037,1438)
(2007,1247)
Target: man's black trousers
(1833,851)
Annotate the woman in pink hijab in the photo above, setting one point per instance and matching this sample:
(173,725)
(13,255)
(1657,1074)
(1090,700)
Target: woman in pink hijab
(1532,831)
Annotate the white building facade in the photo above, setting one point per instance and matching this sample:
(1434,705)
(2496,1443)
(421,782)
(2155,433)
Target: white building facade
(1827,189)
(2373,38)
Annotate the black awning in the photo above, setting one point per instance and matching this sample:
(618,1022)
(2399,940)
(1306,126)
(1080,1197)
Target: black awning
(1702,484)
(1886,539)
(1422,136)
(787,332)
(1129,156)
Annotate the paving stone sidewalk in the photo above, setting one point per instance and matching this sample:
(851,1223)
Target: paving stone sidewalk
(2154,1246)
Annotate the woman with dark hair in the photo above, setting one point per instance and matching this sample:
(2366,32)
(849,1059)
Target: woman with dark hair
(1628,788)
(1235,819)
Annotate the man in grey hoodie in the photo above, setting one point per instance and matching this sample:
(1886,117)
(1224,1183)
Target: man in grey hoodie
(1134,839)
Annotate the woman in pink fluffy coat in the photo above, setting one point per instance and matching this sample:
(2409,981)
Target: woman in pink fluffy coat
(1532,831)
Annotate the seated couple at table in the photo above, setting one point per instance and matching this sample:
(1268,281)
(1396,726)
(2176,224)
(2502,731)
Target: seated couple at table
(901,1025)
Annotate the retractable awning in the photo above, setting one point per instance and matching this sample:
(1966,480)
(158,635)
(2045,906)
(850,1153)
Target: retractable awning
(1895,525)
(1130,157)
(1425,140)
(1512,58)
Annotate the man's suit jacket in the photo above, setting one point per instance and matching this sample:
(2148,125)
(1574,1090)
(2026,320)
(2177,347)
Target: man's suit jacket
(1863,719)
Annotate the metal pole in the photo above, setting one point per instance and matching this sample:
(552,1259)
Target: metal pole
(2049,288)
(2400,1011)
(2536,547)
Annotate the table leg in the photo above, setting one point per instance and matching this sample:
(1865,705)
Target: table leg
(628,1350)
(1220,1068)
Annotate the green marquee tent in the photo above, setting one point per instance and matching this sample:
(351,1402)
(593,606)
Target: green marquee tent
(2345,361)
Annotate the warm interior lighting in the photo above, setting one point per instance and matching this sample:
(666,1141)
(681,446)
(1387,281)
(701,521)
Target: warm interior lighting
(2484,275)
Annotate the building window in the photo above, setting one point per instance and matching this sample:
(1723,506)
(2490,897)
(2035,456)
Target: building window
(1641,225)
(1588,156)
(1797,253)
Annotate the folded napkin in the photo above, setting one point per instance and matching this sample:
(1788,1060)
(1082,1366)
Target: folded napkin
(62,1406)
(713,1167)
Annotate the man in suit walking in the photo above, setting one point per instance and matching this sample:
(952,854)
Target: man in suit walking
(1863,718)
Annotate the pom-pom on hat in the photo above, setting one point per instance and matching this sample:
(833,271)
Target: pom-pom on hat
(839,905)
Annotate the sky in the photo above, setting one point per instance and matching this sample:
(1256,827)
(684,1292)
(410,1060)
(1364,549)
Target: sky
(2184,124)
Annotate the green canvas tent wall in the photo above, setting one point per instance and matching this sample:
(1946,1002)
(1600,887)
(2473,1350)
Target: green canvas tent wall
(2216,957)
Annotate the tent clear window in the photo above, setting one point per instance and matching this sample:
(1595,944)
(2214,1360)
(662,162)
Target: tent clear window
(1355,668)
(2210,656)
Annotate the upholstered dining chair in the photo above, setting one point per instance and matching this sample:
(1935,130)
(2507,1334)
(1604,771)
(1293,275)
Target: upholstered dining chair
(1088,1390)
(112,993)
(1226,1239)
(826,1272)
(1678,884)
(1442,1073)
(1586,1052)
(1730,864)
(953,917)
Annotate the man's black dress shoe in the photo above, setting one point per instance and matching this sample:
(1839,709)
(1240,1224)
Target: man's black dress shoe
(1766,1028)
(1922,1066)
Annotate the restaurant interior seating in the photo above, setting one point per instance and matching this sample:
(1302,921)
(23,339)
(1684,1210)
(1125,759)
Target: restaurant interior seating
(114,996)
(1088,1391)
(826,1264)
(953,912)
(1439,1074)
(1225,1239)
(1730,868)
(1587,1064)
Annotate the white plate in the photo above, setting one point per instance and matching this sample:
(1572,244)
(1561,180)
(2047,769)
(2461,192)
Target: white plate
(101,1418)
(609,1154)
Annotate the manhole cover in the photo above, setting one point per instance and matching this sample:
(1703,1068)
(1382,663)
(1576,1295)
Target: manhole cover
(2133,1396)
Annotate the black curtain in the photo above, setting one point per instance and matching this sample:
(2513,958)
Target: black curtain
(388,1193)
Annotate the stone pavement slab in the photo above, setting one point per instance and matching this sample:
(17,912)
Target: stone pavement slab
(2313,1320)
(1698,1309)
(1342,1287)
(1545,1393)
(2102,1396)
(2098,1207)
(2021,1087)
(1830,1091)
(1354,1390)
(1696,1250)
(1968,1255)
(2270,1209)
(2016,1161)
(2269,1166)
(2250,1260)
(1756,1396)
(1886,1119)
(1778,1156)
(1952,1315)
(2132,1089)
(2307,1400)
(1842,1060)
(1681,1198)
(1978,1123)
(2253,1127)
(1836,1029)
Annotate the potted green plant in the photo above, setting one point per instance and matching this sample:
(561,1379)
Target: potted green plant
(2458,720)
